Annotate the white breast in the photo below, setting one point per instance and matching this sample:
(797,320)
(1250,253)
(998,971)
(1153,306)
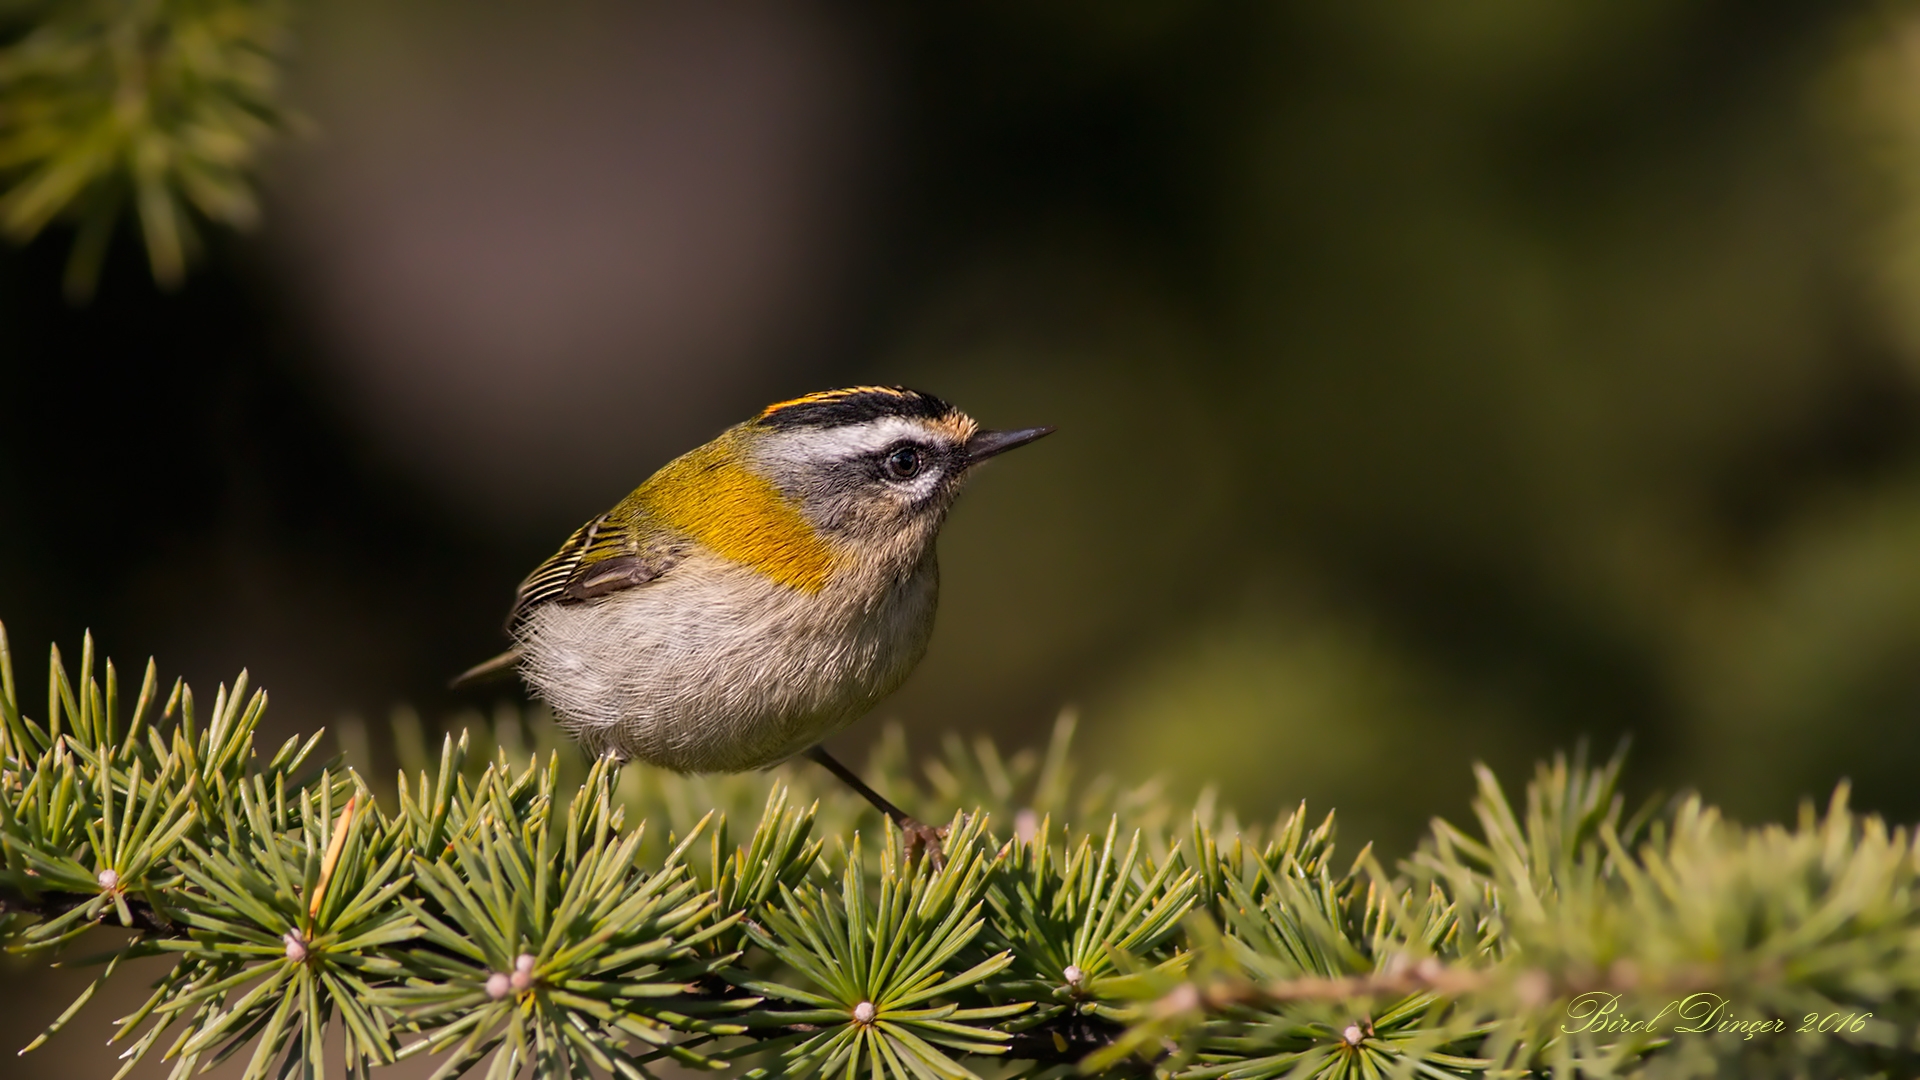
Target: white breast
(717,668)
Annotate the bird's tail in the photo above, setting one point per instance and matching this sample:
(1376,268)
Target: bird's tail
(487,669)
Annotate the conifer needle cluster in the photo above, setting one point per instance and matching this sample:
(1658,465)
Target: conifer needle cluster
(509,912)
(158,110)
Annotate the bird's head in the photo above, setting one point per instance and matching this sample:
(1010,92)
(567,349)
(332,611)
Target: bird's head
(872,465)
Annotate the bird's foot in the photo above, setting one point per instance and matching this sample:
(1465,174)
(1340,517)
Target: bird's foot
(916,837)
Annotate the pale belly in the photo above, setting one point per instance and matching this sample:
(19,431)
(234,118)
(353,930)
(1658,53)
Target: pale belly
(724,670)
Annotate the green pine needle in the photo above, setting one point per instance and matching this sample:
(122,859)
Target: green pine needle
(160,110)
(496,909)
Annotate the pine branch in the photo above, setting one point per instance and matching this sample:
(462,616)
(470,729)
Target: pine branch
(526,912)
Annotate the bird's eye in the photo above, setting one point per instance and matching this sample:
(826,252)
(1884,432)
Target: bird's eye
(904,463)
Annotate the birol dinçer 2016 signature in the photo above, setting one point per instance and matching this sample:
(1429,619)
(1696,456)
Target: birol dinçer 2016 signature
(1696,1014)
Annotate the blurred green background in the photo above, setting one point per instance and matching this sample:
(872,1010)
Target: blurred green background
(1436,382)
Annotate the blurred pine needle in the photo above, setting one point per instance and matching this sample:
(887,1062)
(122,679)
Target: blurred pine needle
(164,105)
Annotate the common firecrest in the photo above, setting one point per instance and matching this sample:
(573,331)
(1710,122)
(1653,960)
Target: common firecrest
(758,593)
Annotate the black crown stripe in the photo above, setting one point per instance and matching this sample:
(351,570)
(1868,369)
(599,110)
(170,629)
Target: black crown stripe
(853,405)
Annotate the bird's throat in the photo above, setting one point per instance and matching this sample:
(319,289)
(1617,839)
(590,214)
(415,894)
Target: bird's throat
(739,516)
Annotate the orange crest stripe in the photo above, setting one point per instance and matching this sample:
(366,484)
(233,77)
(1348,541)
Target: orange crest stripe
(819,396)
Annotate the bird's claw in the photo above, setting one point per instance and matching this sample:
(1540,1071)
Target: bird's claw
(916,837)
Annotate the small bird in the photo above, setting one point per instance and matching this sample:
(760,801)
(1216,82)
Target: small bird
(758,593)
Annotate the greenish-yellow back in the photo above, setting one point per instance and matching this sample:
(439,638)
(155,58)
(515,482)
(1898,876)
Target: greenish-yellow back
(708,495)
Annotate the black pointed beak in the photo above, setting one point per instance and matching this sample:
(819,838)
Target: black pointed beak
(985,444)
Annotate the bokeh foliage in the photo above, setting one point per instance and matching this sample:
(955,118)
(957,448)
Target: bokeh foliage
(520,912)
(159,106)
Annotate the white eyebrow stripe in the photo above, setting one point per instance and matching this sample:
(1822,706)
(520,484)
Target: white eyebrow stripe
(853,440)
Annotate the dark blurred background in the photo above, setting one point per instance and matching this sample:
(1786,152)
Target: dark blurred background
(1435,382)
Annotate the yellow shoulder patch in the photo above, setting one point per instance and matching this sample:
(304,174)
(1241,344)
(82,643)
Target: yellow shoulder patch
(739,516)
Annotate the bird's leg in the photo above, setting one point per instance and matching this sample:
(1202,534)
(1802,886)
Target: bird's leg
(915,834)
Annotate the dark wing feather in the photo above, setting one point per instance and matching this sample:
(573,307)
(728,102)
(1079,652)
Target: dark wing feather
(602,556)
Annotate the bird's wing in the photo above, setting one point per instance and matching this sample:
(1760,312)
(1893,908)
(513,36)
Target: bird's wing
(605,555)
